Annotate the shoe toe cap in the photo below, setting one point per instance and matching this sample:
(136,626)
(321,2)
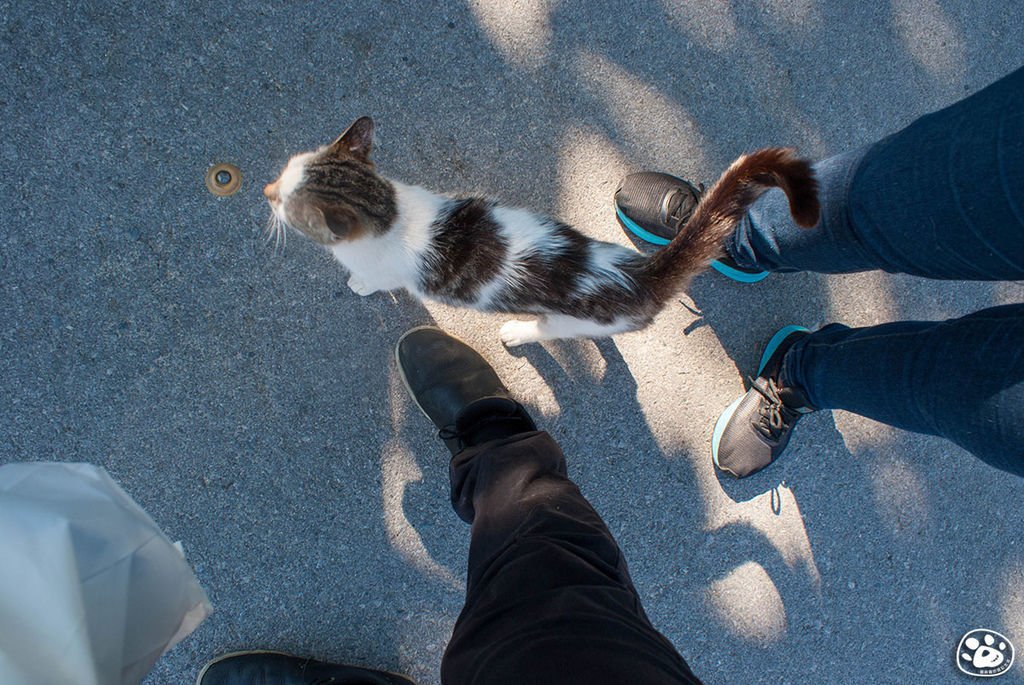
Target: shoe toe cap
(641,195)
(739,449)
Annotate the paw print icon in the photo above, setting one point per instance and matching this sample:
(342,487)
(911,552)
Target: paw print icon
(984,653)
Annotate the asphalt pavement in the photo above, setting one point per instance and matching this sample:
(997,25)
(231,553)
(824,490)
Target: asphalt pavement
(249,401)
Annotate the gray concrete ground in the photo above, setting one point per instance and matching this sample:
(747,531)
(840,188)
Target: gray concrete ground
(248,400)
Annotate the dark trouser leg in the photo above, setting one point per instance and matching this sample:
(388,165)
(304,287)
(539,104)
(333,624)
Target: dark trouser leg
(943,198)
(549,599)
(961,379)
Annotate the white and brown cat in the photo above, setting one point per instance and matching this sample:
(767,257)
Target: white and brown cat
(472,252)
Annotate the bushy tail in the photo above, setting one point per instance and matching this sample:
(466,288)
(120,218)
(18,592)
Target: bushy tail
(720,210)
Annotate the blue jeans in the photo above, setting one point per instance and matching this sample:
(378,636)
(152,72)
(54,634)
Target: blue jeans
(943,198)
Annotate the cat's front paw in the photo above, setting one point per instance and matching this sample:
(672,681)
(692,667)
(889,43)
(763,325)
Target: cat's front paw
(359,287)
(519,333)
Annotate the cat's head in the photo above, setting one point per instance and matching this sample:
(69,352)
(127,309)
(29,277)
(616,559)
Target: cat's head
(334,194)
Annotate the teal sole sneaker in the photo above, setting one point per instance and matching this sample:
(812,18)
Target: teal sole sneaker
(654,207)
(754,430)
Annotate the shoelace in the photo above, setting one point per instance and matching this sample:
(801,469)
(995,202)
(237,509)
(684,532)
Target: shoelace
(450,432)
(682,212)
(775,415)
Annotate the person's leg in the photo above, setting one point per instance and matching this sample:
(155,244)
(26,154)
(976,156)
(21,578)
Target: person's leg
(961,379)
(548,599)
(943,198)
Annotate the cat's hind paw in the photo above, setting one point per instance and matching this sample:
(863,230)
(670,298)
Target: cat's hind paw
(519,333)
(359,287)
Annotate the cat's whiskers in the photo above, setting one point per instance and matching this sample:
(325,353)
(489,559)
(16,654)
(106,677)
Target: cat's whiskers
(270,231)
(277,230)
(268,228)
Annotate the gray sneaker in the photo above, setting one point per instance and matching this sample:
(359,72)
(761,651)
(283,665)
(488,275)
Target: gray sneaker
(754,430)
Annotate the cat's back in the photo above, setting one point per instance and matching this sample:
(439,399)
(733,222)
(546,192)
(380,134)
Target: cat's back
(497,258)
(467,249)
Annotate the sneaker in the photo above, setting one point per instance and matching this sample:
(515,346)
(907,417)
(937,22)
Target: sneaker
(276,668)
(754,430)
(728,267)
(457,390)
(654,207)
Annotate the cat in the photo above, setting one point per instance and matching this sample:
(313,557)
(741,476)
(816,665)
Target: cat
(472,252)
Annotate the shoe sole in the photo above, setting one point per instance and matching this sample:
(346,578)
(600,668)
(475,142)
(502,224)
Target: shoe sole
(639,232)
(401,371)
(737,275)
(774,343)
(726,416)
(720,424)
(229,655)
(724,269)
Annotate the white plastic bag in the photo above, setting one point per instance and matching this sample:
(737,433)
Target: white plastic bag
(91,591)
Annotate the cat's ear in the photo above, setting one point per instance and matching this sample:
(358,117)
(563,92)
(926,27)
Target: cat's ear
(357,140)
(342,222)
(327,224)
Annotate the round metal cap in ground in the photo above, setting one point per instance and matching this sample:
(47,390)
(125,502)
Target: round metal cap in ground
(224,179)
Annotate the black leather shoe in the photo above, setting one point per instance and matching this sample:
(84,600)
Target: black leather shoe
(275,668)
(457,390)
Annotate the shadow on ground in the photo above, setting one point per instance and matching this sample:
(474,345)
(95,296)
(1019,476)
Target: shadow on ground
(247,400)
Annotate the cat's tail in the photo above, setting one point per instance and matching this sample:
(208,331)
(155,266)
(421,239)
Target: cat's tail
(701,241)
